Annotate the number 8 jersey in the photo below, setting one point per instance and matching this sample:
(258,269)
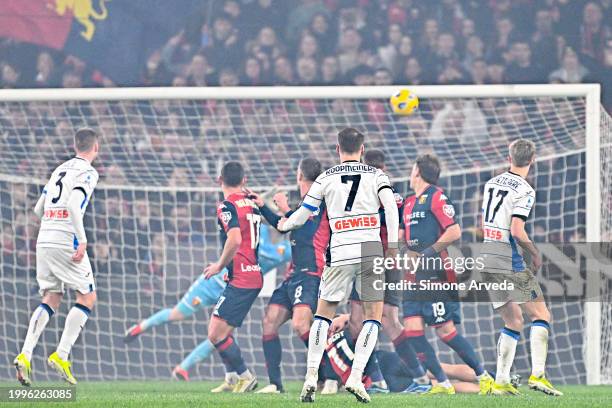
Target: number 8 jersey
(505,196)
(238,211)
(350,191)
(76,176)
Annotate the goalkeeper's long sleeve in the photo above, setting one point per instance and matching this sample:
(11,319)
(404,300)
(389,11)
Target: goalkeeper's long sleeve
(74,209)
(387,199)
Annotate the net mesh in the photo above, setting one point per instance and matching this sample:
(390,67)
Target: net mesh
(151,223)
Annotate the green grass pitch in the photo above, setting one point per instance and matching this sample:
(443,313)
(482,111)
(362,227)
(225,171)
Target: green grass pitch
(197,394)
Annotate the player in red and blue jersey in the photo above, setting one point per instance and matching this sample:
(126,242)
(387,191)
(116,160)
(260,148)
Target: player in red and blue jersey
(296,297)
(239,220)
(430,227)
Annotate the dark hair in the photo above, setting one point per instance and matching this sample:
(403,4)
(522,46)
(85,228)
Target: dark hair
(429,168)
(84,140)
(310,168)
(374,158)
(350,140)
(232,174)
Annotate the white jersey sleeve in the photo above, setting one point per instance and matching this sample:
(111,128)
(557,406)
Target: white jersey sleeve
(57,229)
(505,196)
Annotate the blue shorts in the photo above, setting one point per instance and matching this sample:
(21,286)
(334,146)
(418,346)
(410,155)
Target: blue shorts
(202,293)
(234,304)
(433,313)
(297,290)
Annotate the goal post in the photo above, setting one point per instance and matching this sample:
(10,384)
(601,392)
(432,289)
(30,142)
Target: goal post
(161,148)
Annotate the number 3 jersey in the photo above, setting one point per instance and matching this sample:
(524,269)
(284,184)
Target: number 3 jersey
(238,211)
(350,191)
(76,176)
(506,196)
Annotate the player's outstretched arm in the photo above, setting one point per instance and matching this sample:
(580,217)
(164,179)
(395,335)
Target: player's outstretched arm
(232,244)
(517,230)
(310,204)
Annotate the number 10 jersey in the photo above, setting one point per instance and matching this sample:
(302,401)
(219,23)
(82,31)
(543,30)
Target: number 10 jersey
(350,191)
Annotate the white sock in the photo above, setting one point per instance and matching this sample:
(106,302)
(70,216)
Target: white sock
(77,316)
(38,322)
(246,374)
(317,340)
(484,373)
(506,349)
(364,346)
(538,341)
(231,376)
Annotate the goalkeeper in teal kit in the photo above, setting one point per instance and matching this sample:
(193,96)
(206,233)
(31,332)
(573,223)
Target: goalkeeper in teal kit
(205,292)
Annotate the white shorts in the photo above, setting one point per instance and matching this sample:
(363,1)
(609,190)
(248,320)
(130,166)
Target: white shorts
(337,283)
(56,270)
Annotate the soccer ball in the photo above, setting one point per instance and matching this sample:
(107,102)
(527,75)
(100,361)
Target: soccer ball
(404,102)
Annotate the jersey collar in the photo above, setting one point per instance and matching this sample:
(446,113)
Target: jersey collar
(429,186)
(351,161)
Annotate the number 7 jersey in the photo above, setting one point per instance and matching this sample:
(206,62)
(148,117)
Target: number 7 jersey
(350,191)
(75,176)
(506,196)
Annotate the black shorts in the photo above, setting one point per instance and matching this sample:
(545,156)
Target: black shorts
(234,304)
(302,289)
(392,297)
(436,308)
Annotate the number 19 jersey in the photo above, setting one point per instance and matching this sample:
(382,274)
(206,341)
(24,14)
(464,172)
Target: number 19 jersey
(505,196)
(75,176)
(350,191)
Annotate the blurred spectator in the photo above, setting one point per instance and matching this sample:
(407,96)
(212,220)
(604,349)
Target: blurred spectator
(330,71)
(199,73)
(309,48)
(320,29)
(412,72)
(571,70)
(227,77)
(177,53)
(224,49)
(544,41)
(283,71)
(593,33)
(155,73)
(46,75)
(306,71)
(301,16)
(349,49)
(479,72)
(521,68)
(388,52)
(382,77)
(252,74)
(10,76)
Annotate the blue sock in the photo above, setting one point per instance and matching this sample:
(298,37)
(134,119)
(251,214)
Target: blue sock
(465,350)
(231,355)
(200,353)
(161,317)
(273,355)
(426,354)
(407,354)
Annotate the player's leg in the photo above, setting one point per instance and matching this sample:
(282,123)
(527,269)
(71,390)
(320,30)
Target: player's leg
(40,317)
(75,321)
(538,341)
(229,313)
(197,355)
(276,315)
(508,339)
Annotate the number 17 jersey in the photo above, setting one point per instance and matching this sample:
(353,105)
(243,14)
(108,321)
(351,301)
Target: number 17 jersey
(350,191)
(506,196)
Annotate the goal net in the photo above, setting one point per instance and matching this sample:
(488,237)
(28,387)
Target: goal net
(152,228)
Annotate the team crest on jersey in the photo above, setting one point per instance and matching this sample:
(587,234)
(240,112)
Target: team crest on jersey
(448,210)
(443,197)
(398,199)
(423,199)
(226,217)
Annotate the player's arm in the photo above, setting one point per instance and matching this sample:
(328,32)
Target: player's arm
(79,197)
(39,208)
(387,199)
(444,211)
(310,204)
(520,212)
(228,216)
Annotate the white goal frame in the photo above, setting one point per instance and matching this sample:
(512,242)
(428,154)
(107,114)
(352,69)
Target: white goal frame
(591,93)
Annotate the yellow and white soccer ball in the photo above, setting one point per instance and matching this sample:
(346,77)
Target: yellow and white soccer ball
(404,102)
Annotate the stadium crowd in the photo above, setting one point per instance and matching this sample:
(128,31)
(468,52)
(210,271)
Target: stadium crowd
(363,42)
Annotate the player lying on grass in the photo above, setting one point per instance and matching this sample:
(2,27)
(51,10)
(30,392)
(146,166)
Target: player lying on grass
(202,293)
(61,256)
(508,199)
(393,299)
(296,297)
(398,375)
(353,193)
(430,227)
